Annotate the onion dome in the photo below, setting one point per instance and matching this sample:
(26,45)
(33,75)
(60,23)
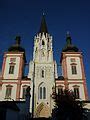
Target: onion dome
(16,47)
(69,47)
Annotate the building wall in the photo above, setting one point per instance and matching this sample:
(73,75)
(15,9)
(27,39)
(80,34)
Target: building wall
(22,85)
(81,90)
(78,66)
(7,65)
(13,93)
(48,81)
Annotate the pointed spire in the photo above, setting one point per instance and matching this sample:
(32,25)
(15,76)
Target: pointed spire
(43,27)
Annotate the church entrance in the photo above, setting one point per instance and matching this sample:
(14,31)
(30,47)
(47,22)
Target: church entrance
(42,111)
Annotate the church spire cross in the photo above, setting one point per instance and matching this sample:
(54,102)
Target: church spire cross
(43,27)
(18,40)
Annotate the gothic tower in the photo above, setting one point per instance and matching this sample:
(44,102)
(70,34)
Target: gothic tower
(42,72)
(73,69)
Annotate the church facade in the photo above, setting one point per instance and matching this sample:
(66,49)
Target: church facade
(42,75)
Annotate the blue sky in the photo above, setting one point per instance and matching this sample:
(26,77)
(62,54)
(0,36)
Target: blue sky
(23,17)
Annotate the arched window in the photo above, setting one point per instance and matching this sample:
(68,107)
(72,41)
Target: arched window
(42,73)
(24,91)
(74,70)
(43,43)
(60,90)
(42,91)
(11,69)
(76,91)
(12,65)
(8,91)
